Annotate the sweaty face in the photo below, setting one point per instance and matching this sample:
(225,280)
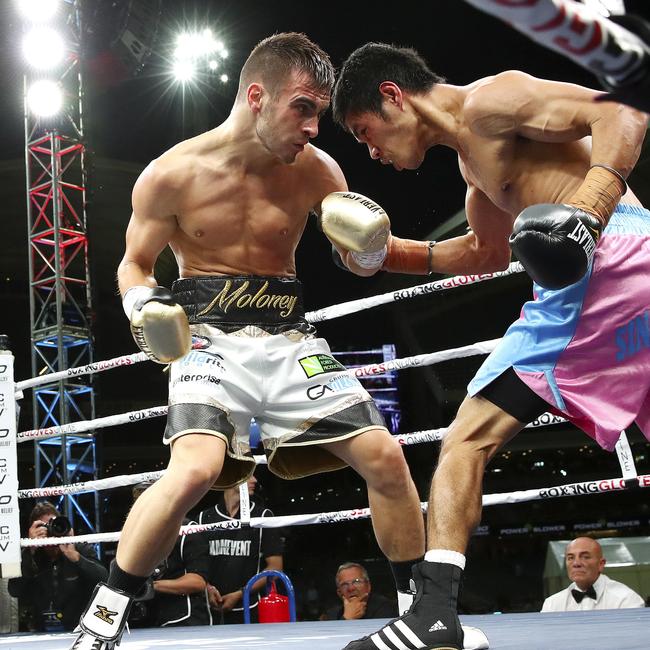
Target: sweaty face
(389,138)
(584,562)
(289,120)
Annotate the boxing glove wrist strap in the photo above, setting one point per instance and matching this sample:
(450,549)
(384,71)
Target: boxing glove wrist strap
(409,256)
(369,260)
(133,295)
(600,192)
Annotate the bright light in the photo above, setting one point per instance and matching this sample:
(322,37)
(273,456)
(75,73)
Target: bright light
(43,48)
(184,71)
(45,98)
(224,78)
(38,11)
(196,51)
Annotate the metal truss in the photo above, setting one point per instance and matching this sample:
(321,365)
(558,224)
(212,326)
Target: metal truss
(60,290)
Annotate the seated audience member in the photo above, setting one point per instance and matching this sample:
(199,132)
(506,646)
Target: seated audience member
(357,600)
(56,581)
(179,583)
(236,555)
(591,588)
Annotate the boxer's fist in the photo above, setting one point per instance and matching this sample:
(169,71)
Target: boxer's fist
(158,324)
(356,223)
(555,243)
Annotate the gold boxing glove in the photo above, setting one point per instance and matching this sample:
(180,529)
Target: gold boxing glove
(358,224)
(158,323)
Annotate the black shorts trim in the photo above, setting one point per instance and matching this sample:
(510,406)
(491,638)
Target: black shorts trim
(196,416)
(513,396)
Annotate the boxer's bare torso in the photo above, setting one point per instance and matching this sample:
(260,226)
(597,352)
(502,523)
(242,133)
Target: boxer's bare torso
(520,141)
(229,201)
(516,165)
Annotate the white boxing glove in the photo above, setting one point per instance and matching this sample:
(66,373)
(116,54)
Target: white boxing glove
(158,323)
(358,224)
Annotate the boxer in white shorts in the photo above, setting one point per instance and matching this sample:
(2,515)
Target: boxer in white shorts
(256,357)
(232,203)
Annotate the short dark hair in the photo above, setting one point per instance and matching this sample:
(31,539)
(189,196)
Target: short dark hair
(357,87)
(276,57)
(42,508)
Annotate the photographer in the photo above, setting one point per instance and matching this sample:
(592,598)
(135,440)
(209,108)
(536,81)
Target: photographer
(56,581)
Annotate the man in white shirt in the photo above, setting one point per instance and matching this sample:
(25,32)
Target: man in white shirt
(590,589)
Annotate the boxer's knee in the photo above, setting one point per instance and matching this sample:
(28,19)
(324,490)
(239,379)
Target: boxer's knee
(385,469)
(195,465)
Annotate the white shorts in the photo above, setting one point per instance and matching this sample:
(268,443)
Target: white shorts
(299,395)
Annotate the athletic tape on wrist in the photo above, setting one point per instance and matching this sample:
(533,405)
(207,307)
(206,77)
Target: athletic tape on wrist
(611,170)
(132,296)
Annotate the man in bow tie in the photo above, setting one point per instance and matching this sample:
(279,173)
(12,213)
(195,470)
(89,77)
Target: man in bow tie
(590,589)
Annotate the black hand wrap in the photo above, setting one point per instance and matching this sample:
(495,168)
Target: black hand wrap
(336,258)
(159,294)
(555,243)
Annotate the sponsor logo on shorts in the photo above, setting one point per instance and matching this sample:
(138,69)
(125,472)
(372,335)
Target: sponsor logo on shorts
(633,337)
(319,364)
(333,385)
(205,379)
(203,358)
(105,614)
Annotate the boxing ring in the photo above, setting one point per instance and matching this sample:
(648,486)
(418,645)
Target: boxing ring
(622,629)
(611,630)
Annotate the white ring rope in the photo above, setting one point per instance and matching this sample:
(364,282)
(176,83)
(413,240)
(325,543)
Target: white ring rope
(345,308)
(373,369)
(315,316)
(404,439)
(570,489)
(90,369)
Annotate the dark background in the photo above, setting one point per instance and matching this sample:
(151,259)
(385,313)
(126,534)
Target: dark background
(131,120)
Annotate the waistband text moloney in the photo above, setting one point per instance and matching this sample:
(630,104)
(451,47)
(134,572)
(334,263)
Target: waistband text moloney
(239,299)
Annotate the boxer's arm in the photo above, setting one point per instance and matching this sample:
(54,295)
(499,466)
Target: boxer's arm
(549,111)
(484,249)
(158,324)
(333,180)
(150,228)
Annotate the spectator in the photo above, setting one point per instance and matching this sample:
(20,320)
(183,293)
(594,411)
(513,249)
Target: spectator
(56,581)
(591,588)
(236,555)
(357,600)
(179,583)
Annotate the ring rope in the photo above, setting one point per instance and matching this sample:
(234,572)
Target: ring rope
(404,439)
(373,369)
(352,306)
(325,313)
(566,490)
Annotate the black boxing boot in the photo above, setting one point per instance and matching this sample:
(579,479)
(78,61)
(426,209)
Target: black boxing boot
(432,621)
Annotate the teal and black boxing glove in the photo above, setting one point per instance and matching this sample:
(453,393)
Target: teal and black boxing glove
(555,243)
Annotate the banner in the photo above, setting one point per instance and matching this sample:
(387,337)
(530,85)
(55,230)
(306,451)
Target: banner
(9,518)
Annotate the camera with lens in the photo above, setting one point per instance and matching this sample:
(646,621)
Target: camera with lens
(58,526)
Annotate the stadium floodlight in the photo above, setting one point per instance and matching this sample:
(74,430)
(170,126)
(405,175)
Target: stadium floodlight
(43,48)
(195,51)
(38,11)
(45,98)
(224,78)
(184,71)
